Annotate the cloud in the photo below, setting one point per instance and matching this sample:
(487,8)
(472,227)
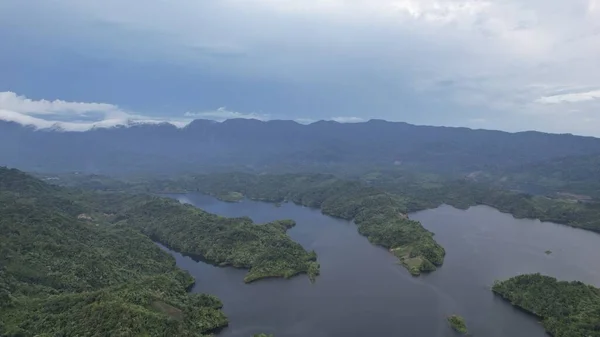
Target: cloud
(305,120)
(441,11)
(574,97)
(77,116)
(11,101)
(71,116)
(347,119)
(222,114)
(420,61)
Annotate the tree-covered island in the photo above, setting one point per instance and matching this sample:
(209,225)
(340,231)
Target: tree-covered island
(457,323)
(567,309)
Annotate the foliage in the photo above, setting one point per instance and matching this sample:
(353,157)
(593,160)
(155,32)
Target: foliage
(567,309)
(421,191)
(458,323)
(230,197)
(62,273)
(577,177)
(81,263)
(409,192)
(412,192)
(380,216)
(264,249)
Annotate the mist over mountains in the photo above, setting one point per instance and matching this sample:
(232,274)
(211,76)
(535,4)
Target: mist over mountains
(280,146)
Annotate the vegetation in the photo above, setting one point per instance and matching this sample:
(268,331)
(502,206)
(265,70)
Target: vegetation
(66,275)
(458,324)
(574,176)
(548,252)
(408,192)
(78,263)
(380,216)
(424,191)
(567,309)
(264,249)
(412,192)
(230,196)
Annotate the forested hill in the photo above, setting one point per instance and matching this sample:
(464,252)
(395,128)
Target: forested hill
(280,146)
(380,216)
(567,309)
(63,274)
(579,176)
(412,192)
(75,263)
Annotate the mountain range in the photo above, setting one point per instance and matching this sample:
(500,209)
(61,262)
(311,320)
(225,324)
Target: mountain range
(279,145)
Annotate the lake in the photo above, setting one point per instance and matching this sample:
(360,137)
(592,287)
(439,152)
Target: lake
(362,291)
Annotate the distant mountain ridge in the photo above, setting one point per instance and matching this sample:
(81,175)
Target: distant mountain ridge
(280,145)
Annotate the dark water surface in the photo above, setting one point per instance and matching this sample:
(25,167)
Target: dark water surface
(362,291)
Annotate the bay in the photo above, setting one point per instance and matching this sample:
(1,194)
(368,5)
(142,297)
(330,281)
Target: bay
(362,291)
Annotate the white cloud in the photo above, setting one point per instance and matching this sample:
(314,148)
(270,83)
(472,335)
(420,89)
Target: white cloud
(347,119)
(574,97)
(441,11)
(222,114)
(11,101)
(71,116)
(502,57)
(305,120)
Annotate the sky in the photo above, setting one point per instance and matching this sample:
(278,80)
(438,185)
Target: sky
(495,64)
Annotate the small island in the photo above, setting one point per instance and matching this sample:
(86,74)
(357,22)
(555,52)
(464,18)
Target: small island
(230,196)
(458,324)
(548,252)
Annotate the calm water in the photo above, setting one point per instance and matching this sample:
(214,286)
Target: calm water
(362,291)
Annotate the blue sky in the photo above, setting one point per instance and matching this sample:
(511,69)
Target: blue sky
(495,64)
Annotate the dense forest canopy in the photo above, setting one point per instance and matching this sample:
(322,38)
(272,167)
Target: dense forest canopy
(424,191)
(412,191)
(577,176)
(380,216)
(567,309)
(62,274)
(265,250)
(82,263)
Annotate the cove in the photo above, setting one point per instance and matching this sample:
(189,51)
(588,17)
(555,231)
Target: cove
(362,291)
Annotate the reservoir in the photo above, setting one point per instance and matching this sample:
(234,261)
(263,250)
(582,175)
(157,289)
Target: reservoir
(363,291)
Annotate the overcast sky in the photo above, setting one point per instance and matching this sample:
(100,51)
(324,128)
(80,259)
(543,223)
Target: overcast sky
(496,64)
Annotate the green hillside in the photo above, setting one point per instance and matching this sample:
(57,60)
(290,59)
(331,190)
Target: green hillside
(567,309)
(66,273)
(75,263)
